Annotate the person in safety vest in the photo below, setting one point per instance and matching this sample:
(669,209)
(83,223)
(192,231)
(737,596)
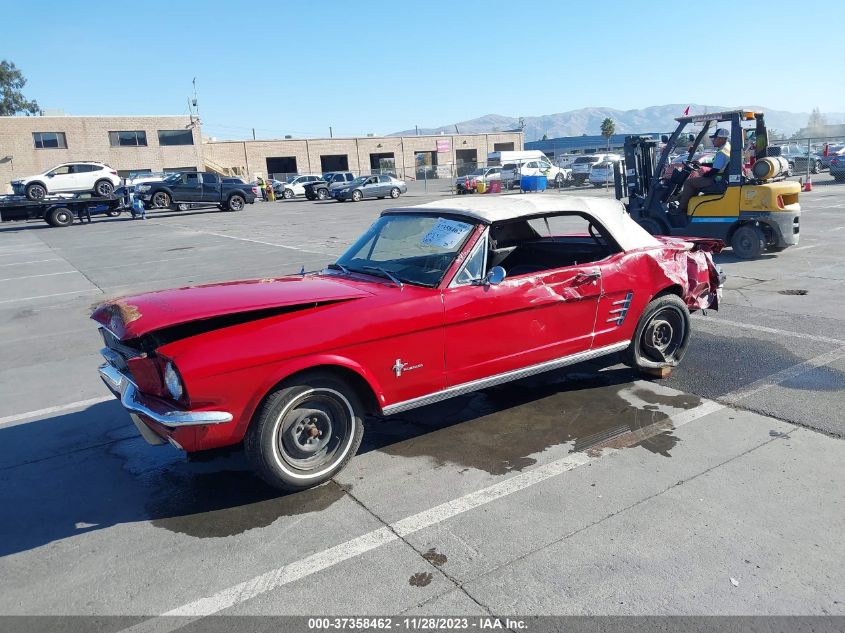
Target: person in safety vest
(694,184)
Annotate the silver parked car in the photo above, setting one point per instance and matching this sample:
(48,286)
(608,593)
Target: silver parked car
(375,186)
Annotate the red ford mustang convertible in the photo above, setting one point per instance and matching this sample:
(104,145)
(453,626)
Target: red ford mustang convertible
(433,301)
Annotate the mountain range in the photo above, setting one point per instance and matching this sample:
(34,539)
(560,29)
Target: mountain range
(588,121)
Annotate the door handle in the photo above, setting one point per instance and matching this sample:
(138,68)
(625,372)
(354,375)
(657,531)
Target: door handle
(582,278)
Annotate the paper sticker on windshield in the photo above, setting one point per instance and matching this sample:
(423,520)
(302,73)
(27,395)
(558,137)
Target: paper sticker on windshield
(446,234)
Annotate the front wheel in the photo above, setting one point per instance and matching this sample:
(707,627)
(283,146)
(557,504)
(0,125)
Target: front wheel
(161,200)
(287,194)
(748,241)
(662,335)
(357,196)
(305,432)
(60,216)
(35,192)
(104,188)
(322,194)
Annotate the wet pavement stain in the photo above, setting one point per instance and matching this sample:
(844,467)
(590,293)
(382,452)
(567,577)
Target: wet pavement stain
(421,579)
(499,429)
(435,558)
(227,503)
(214,495)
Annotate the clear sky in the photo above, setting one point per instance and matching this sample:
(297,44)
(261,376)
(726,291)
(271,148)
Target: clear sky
(294,67)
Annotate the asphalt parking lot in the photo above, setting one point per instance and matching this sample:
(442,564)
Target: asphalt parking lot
(585,491)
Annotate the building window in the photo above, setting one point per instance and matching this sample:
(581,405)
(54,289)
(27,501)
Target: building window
(502,147)
(49,140)
(175,137)
(128,139)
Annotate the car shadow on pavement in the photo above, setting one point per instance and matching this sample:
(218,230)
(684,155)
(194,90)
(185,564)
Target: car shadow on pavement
(55,486)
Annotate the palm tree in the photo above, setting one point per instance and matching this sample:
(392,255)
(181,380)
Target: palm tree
(608,129)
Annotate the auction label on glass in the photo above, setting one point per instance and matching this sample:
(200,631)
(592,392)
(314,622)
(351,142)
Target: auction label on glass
(446,233)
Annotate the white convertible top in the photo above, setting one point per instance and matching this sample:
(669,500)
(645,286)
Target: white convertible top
(489,209)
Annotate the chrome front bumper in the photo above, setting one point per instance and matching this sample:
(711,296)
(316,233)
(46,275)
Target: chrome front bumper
(139,405)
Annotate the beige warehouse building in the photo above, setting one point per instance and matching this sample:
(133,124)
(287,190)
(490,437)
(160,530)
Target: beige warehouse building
(32,145)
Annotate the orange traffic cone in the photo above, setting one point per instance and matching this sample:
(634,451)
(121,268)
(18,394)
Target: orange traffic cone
(808,186)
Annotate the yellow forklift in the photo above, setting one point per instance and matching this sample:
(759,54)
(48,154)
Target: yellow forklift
(752,208)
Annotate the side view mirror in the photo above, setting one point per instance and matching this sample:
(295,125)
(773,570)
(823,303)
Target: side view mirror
(495,276)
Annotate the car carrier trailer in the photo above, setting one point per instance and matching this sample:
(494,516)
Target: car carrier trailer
(60,210)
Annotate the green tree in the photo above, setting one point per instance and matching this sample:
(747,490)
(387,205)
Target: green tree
(608,129)
(12,100)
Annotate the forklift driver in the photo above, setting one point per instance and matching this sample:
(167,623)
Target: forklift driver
(694,185)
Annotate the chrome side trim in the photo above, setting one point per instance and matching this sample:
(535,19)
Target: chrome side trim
(622,312)
(134,402)
(507,376)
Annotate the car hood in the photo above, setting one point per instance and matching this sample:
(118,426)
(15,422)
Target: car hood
(134,316)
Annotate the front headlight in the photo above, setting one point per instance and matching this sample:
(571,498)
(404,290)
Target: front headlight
(344,190)
(172,381)
(143,188)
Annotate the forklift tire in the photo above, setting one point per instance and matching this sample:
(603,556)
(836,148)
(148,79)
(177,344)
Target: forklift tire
(748,241)
(652,227)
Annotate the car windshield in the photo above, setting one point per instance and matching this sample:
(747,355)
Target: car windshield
(171,177)
(290,179)
(360,180)
(586,159)
(411,248)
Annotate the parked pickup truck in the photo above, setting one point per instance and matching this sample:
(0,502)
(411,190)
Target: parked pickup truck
(319,190)
(193,187)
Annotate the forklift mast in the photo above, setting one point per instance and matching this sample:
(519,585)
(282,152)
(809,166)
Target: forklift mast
(637,180)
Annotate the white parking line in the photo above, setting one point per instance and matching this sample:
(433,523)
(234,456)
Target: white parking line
(66,272)
(58,294)
(35,261)
(769,330)
(325,559)
(804,248)
(80,404)
(785,374)
(246,239)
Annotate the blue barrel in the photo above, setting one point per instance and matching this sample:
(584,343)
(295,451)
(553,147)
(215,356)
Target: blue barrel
(533,183)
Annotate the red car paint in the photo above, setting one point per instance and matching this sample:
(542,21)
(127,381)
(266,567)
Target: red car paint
(363,326)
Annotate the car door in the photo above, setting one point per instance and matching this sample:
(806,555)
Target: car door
(298,186)
(385,184)
(188,188)
(62,178)
(526,320)
(370,187)
(210,188)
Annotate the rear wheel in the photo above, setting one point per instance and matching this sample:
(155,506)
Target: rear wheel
(748,241)
(235,202)
(305,432)
(60,216)
(394,193)
(662,335)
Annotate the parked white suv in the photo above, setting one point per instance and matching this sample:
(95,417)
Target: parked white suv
(557,176)
(295,185)
(582,165)
(68,177)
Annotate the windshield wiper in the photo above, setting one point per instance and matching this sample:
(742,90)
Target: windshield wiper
(387,274)
(339,267)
